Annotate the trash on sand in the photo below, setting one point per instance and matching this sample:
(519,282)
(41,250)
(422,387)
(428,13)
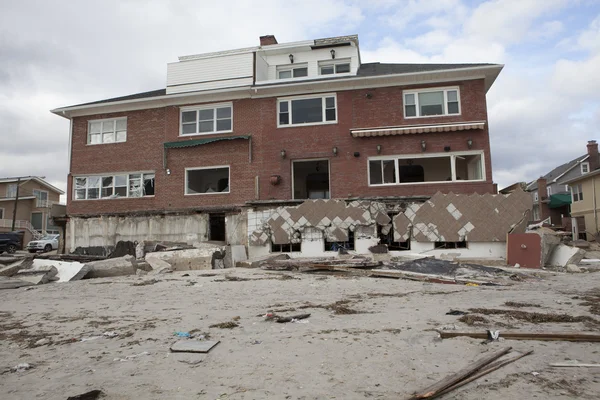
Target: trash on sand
(535,373)
(193,346)
(85,339)
(42,342)
(191,362)
(183,334)
(293,318)
(471,284)
(456,312)
(492,336)
(21,367)
(256,342)
(225,325)
(145,353)
(91,395)
(110,334)
(447,328)
(574,364)
(474,371)
(515,335)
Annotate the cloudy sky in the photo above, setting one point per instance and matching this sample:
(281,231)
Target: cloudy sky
(542,109)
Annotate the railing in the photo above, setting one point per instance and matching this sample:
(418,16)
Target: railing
(45,203)
(22,224)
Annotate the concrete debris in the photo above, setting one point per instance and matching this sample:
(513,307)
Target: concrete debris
(16,266)
(67,271)
(191,259)
(102,251)
(91,395)
(193,346)
(378,249)
(549,242)
(111,267)
(123,248)
(10,283)
(234,254)
(38,276)
(157,265)
(562,255)
(573,268)
(262,261)
(21,367)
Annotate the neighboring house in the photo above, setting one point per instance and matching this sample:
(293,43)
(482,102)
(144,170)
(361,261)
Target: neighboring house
(274,124)
(585,196)
(36,198)
(551,193)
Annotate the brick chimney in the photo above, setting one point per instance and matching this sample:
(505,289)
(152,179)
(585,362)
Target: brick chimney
(594,159)
(267,40)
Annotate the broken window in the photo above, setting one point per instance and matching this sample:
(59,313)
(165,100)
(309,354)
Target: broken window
(207,180)
(286,248)
(336,246)
(423,103)
(388,238)
(307,110)
(107,131)
(113,186)
(450,245)
(430,168)
(209,119)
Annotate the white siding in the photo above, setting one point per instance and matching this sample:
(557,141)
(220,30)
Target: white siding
(312,58)
(262,68)
(210,73)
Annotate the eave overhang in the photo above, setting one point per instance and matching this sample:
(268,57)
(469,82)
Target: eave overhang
(415,129)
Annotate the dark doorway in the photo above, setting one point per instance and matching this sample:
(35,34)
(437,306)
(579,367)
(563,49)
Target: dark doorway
(311,179)
(216,229)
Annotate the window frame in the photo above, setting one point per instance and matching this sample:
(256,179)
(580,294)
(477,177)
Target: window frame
(113,175)
(290,67)
(576,193)
(549,191)
(535,196)
(445,91)
(114,119)
(185,179)
(197,109)
(587,165)
(451,155)
(334,64)
(8,191)
(323,98)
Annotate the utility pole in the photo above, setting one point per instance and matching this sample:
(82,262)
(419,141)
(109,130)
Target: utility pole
(15,208)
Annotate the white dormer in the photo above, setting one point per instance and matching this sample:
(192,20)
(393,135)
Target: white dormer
(307,60)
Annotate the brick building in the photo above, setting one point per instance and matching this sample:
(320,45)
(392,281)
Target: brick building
(272,125)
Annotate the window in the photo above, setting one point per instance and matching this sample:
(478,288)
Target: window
(567,188)
(287,72)
(1,213)
(42,198)
(114,186)
(405,169)
(535,196)
(585,168)
(286,248)
(205,120)
(332,68)
(11,190)
(207,180)
(426,103)
(450,245)
(577,193)
(307,110)
(107,131)
(549,191)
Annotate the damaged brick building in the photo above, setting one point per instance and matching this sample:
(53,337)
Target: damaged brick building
(293,147)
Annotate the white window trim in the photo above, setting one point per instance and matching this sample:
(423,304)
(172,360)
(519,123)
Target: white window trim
(436,89)
(587,164)
(451,155)
(8,194)
(89,143)
(549,191)
(113,174)
(204,107)
(290,67)
(535,196)
(335,62)
(576,190)
(185,180)
(323,96)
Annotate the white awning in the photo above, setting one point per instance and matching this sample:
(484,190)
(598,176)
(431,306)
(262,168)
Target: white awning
(413,129)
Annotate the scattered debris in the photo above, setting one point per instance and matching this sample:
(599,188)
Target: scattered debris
(293,318)
(193,346)
(91,395)
(110,334)
(471,319)
(8,283)
(146,282)
(190,362)
(145,353)
(225,325)
(456,312)
(545,336)
(535,318)
(572,268)
(21,367)
(561,365)
(516,304)
(111,267)
(183,334)
(43,342)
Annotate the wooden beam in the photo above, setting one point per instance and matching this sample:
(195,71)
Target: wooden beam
(545,336)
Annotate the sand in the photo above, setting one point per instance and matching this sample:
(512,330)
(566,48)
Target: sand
(386,349)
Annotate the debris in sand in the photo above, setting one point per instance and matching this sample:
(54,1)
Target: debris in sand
(131,357)
(293,318)
(225,325)
(21,367)
(110,334)
(561,365)
(91,395)
(145,283)
(536,318)
(182,334)
(456,312)
(193,346)
(516,304)
(471,319)
(191,362)
(516,335)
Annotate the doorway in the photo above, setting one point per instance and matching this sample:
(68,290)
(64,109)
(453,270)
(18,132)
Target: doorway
(310,179)
(216,227)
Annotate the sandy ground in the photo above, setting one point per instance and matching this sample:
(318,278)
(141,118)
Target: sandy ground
(386,351)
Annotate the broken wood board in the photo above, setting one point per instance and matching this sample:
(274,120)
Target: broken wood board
(438,387)
(193,346)
(544,336)
(561,365)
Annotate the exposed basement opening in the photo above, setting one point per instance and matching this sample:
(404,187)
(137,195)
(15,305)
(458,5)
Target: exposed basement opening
(389,239)
(216,229)
(450,245)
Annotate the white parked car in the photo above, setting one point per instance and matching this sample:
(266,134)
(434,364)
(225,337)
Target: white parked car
(45,244)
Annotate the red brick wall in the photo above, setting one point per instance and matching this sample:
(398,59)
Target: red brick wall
(147,130)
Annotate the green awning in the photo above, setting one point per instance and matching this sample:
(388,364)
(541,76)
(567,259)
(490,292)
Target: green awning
(559,200)
(199,142)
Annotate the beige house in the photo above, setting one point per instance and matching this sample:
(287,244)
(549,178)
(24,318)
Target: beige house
(36,198)
(585,201)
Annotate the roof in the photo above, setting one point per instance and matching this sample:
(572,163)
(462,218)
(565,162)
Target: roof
(582,177)
(39,180)
(143,95)
(376,69)
(559,171)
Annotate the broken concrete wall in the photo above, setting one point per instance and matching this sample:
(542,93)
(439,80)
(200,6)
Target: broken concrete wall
(107,231)
(236,228)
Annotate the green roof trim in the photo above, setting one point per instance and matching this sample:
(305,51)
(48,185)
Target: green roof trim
(559,200)
(199,142)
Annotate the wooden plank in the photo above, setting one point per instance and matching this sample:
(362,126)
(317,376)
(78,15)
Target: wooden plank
(490,368)
(545,336)
(575,365)
(451,380)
